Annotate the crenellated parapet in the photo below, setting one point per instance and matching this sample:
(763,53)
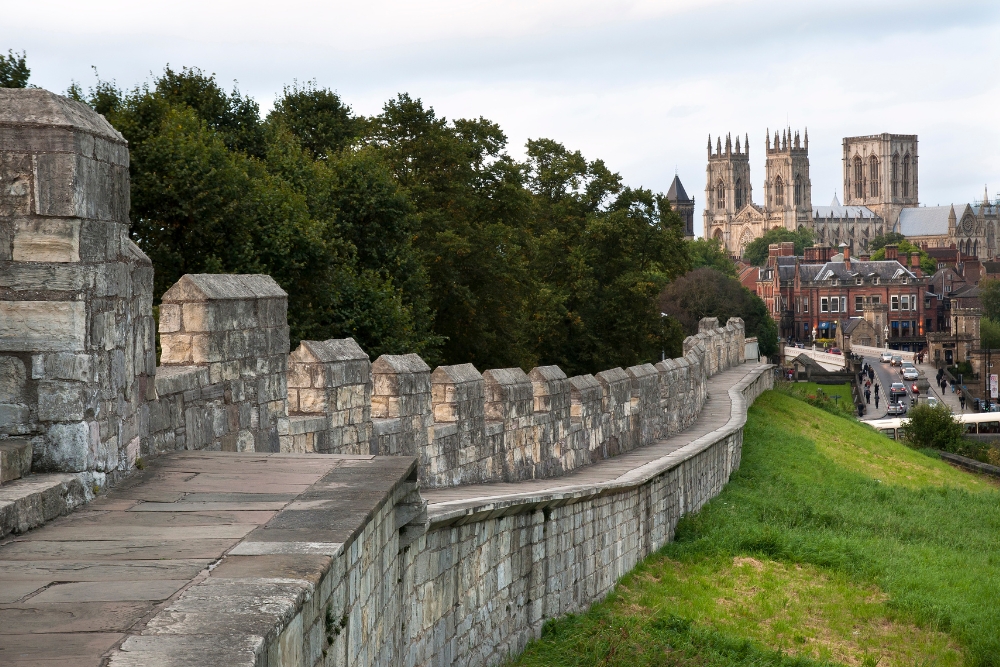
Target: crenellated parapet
(78,373)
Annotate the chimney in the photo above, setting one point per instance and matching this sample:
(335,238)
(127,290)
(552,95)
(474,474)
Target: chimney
(787,249)
(773,250)
(915,265)
(847,255)
(812,254)
(892,252)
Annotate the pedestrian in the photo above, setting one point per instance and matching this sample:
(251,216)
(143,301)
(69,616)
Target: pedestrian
(868,396)
(953,386)
(876,398)
(961,400)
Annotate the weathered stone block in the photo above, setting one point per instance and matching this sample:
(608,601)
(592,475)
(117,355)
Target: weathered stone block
(12,379)
(32,326)
(63,449)
(46,240)
(63,366)
(62,401)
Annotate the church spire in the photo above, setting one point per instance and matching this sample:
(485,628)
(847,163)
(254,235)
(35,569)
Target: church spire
(746,143)
(767,140)
(738,151)
(807,139)
(709,144)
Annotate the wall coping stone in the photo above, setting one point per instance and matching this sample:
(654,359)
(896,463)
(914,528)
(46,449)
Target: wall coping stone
(213,287)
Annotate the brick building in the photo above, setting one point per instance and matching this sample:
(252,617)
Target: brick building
(816,295)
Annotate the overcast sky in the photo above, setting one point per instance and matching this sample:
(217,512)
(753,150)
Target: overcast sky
(637,83)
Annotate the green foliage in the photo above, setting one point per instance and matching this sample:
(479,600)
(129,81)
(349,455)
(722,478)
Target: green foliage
(933,427)
(709,252)
(989,331)
(323,124)
(706,292)
(927,264)
(757,251)
(404,230)
(14,70)
(829,535)
(881,241)
(822,396)
(989,295)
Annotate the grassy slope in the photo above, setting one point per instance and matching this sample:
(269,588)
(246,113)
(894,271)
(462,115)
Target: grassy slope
(831,543)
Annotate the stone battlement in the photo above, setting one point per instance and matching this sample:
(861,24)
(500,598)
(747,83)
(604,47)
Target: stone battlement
(77,349)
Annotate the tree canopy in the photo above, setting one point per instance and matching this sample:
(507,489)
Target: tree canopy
(14,71)
(408,231)
(707,292)
(709,252)
(905,249)
(757,250)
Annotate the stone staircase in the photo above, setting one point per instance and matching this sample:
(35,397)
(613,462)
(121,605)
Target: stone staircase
(27,501)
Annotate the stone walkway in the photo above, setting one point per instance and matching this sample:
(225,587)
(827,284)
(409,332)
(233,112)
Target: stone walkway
(71,591)
(715,414)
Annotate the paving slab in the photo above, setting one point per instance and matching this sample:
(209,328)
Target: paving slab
(42,618)
(149,561)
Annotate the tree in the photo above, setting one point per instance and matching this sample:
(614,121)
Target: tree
(709,252)
(757,250)
(989,295)
(882,240)
(905,250)
(318,117)
(14,70)
(934,427)
(989,331)
(707,292)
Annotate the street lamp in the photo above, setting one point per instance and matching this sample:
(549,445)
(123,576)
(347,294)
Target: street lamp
(663,349)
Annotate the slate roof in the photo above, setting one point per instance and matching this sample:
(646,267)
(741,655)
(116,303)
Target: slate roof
(924,221)
(676,193)
(837,211)
(888,269)
(851,324)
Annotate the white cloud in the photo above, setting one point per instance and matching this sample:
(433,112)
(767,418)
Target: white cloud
(638,83)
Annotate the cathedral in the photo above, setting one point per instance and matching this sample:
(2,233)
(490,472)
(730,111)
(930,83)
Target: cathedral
(731,216)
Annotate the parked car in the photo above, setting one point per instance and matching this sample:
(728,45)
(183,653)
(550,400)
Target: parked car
(896,360)
(885,357)
(835,350)
(910,372)
(896,409)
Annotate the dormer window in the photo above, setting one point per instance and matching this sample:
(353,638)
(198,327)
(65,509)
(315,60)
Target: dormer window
(876,280)
(904,280)
(857,281)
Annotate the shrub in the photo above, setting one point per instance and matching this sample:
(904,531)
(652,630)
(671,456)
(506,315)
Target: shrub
(934,427)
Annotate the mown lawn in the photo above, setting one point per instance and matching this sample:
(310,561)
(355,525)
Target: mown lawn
(831,544)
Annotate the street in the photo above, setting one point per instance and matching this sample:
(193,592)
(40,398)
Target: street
(885,375)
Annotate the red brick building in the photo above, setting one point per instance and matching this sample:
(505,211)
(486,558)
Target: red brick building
(813,296)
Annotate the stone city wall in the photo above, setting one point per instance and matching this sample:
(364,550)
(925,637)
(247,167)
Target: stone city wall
(481,581)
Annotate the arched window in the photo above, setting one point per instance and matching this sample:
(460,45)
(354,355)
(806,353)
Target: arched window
(895,175)
(717,235)
(779,192)
(738,193)
(873,176)
(906,175)
(720,195)
(798,190)
(859,178)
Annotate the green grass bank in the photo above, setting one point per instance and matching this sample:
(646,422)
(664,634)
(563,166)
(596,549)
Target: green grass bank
(831,545)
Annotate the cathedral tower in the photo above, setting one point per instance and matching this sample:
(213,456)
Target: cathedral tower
(880,172)
(727,187)
(787,188)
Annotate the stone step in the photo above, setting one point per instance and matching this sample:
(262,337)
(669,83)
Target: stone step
(29,502)
(15,459)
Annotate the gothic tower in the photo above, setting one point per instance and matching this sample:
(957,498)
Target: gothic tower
(880,172)
(727,187)
(787,188)
(683,205)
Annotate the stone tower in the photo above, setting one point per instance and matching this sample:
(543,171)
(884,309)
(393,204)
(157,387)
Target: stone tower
(787,188)
(727,186)
(880,172)
(77,354)
(683,205)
